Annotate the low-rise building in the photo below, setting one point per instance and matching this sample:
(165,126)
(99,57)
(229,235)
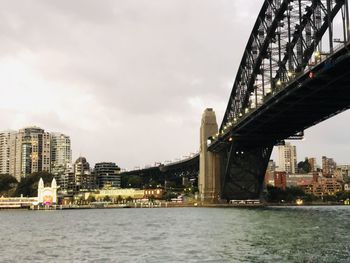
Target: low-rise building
(326,186)
(342,173)
(115,194)
(299,179)
(280,180)
(153,193)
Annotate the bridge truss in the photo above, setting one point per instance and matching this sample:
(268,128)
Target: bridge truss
(288,37)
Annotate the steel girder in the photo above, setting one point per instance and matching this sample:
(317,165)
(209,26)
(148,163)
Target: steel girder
(281,46)
(174,172)
(243,170)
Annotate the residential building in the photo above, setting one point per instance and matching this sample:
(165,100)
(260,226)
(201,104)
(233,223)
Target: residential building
(66,181)
(328,166)
(342,173)
(7,139)
(326,186)
(107,175)
(287,158)
(32,152)
(313,164)
(269,175)
(84,179)
(61,153)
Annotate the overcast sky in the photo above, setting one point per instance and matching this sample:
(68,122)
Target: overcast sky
(128,80)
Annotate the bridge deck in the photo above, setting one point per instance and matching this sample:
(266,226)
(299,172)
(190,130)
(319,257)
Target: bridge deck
(303,103)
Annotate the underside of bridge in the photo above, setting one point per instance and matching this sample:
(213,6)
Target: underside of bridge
(243,171)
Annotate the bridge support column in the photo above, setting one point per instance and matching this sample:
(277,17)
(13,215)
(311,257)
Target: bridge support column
(209,163)
(244,170)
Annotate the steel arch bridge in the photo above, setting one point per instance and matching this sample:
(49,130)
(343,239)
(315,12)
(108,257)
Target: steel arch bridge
(294,73)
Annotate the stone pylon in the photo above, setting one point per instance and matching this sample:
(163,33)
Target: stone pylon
(209,163)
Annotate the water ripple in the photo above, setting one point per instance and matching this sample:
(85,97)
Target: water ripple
(279,234)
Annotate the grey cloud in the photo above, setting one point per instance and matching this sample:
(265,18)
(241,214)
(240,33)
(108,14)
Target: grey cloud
(138,64)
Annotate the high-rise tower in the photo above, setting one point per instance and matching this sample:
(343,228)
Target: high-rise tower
(7,145)
(32,153)
(61,153)
(287,158)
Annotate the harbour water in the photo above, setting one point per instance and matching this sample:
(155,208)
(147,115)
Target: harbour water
(273,234)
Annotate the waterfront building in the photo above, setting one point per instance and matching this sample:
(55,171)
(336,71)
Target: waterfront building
(17,202)
(115,194)
(47,195)
(153,193)
(287,158)
(84,179)
(107,175)
(61,153)
(328,166)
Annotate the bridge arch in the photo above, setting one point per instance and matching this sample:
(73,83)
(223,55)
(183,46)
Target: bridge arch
(285,40)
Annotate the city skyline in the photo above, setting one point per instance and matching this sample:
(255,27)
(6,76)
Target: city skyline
(110,76)
(62,155)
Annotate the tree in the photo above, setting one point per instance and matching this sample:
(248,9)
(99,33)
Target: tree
(304,166)
(106,198)
(169,195)
(91,199)
(151,198)
(119,199)
(275,194)
(8,184)
(342,196)
(129,199)
(135,181)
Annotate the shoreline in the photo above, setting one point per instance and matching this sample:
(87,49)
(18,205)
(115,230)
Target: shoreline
(167,205)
